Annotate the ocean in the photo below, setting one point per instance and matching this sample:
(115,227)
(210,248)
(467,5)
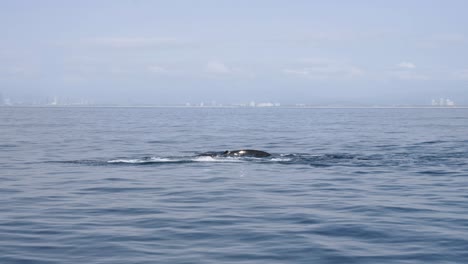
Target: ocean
(127,185)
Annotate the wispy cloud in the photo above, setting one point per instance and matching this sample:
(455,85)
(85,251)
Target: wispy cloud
(406,65)
(447,40)
(461,75)
(155,69)
(303,71)
(70,78)
(409,75)
(16,71)
(128,42)
(322,69)
(454,38)
(406,70)
(217,67)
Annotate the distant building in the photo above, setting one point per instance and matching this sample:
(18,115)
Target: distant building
(55,101)
(442,102)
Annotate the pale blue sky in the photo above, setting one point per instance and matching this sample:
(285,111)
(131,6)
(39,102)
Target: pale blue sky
(171,52)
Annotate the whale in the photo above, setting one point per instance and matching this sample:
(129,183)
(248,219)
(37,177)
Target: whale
(253,153)
(247,153)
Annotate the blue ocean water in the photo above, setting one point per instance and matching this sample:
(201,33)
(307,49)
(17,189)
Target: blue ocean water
(126,185)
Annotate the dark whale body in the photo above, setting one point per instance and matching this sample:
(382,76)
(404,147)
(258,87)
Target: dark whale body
(247,153)
(238,153)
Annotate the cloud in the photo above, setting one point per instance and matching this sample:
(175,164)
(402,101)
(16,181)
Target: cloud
(355,72)
(406,65)
(156,69)
(126,42)
(70,78)
(453,38)
(461,75)
(447,40)
(304,71)
(217,67)
(406,70)
(322,69)
(16,70)
(407,75)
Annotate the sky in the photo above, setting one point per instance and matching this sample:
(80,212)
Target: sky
(229,52)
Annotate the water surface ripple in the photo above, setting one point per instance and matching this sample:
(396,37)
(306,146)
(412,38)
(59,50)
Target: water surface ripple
(126,185)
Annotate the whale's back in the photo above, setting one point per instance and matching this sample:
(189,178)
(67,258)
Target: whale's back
(237,153)
(248,153)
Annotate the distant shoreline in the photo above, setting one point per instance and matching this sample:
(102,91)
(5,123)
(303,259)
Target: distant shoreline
(235,107)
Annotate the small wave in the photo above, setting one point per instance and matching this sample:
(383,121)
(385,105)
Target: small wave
(81,162)
(314,160)
(125,161)
(317,160)
(217,159)
(144,160)
(431,142)
(8,146)
(281,159)
(161,160)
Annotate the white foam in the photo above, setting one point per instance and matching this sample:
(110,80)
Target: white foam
(215,159)
(137,161)
(126,161)
(281,159)
(155,159)
(170,160)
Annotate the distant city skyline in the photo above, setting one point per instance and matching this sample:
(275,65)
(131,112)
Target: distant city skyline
(57,101)
(234,52)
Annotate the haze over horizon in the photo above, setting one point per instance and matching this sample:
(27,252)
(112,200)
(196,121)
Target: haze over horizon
(173,52)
